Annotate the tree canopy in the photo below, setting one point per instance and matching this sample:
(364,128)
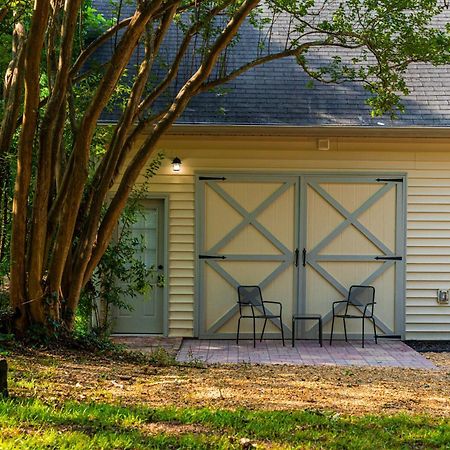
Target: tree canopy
(56,89)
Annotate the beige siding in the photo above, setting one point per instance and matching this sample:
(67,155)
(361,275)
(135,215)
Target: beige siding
(180,190)
(428,263)
(428,208)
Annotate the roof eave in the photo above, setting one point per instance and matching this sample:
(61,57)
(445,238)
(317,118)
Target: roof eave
(309,131)
(208,129)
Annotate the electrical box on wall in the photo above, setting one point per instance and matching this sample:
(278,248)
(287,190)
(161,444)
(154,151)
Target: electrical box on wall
(323,145)
(442,296)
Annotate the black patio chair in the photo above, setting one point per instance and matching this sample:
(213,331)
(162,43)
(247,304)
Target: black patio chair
(358,297)
(252,306)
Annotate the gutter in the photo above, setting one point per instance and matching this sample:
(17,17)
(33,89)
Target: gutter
(308,131)
(328,131)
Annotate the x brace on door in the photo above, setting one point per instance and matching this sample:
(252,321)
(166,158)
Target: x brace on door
(351,219)
(248,218)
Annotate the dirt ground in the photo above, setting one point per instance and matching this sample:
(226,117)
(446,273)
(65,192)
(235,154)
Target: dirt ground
(60,376)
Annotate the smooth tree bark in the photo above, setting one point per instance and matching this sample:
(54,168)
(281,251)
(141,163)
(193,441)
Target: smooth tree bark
(3,378)
(12,91)
(56,90)
(31,73)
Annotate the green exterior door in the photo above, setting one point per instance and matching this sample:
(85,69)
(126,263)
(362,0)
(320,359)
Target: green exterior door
(147,315)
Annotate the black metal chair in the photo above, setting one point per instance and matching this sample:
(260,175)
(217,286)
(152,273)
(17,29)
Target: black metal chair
(358,297)
(252,306)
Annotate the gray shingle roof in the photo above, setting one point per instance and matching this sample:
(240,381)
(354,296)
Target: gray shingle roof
(279,93)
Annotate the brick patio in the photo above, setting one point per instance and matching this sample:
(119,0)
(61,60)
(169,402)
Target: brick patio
(148,344)
(387,353)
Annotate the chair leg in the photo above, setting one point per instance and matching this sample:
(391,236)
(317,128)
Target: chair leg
(374,330)
(332,326)
(254,333)
(345,329)
(320,332)
(293,332)
(264,327)
(282,331)
(362,337)
(237,337)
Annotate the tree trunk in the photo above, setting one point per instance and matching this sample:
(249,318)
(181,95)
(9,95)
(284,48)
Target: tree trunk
(3,378)
(18,286)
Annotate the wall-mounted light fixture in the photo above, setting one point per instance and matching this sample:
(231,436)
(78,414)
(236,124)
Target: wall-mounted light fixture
(176,164)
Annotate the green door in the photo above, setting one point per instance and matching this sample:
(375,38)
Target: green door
(147,314)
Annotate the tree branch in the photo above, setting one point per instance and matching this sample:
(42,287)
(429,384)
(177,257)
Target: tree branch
(257,62)
(182,99)
(174,68)
(274,56)
(93,46)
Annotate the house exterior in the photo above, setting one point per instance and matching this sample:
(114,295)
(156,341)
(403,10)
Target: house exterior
(302,192)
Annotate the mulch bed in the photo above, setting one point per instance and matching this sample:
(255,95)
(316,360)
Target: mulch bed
(429,346)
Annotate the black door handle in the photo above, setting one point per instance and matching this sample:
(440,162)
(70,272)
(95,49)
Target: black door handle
(160,267)
(296,257)
(304,257)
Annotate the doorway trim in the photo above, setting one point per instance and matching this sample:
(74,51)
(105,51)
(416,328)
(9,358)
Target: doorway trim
(165,294)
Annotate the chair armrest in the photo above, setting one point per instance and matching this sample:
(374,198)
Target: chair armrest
(337,302)
(365,308)
(274,303)
(246,305)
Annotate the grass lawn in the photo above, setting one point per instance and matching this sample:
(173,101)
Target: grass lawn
(29,424)
(76,400)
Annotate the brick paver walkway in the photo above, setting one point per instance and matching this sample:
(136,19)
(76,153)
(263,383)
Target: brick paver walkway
(387,353)
(149,344)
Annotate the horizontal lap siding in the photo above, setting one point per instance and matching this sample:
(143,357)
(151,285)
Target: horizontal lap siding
(180,189)
(428,206)
(428,252)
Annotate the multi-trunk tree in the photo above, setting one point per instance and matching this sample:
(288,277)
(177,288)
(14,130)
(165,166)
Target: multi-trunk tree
(56,89)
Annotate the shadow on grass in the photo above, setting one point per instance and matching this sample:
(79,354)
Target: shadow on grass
(34,424)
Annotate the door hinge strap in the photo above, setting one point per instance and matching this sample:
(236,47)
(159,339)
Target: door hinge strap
(212,178)
(389,258)
(211,257)
(395,180)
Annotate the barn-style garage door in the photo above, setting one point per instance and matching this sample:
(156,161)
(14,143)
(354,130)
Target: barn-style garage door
(353,233)
(247,235)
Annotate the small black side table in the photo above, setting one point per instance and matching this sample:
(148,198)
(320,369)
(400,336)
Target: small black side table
(296,317)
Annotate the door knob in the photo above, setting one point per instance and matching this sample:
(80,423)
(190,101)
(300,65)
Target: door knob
(160,267)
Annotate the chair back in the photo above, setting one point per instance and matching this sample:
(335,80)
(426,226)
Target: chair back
(360,296)
(250,295)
